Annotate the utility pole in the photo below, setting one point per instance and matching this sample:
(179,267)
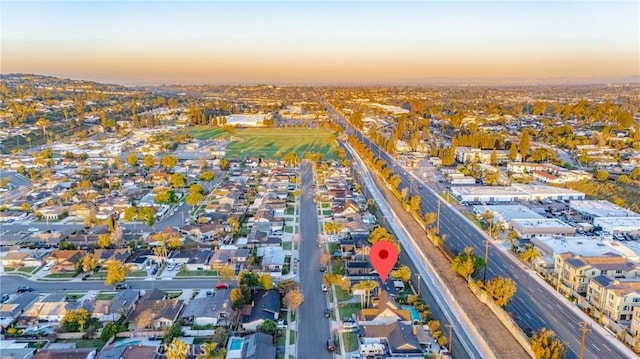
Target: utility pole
(486,260)
(438,225)
(419,283)
(585,327)
(450,337)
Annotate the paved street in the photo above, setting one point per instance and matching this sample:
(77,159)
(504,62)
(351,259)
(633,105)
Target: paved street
(313,327)
(536,304)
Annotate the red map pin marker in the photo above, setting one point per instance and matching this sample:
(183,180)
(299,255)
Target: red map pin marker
(383,256)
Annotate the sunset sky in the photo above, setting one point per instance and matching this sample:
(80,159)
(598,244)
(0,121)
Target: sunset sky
(325,42)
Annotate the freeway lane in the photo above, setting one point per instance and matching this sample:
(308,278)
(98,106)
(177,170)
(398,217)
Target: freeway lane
(535,303)
(313,327)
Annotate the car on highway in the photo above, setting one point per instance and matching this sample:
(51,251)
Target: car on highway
(121,286)
(324,288)
(24,289)
(221,286)
(33,229)
(4,298)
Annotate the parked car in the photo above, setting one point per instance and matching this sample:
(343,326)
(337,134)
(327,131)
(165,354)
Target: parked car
(324,288)
(330,346)
(4,298)
(221,286)
(33,229)
(322,269)
(121,286)
(25,289)
(282,324)
(154,270)
(327,313)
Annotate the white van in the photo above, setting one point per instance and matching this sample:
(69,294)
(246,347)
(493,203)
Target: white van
(49,265)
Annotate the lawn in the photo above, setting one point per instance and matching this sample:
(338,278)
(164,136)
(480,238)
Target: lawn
(60,275)
(205,132)
(286,246)
(272,142)
(27,269)
(281,338)
(292,337)
(346,310)
(9,269)
(174,295)
(197,273)
(137,274)
(475,220)
(288,229)
(290,210)
(337,266)
(342,294)
(106,296)
(351,342)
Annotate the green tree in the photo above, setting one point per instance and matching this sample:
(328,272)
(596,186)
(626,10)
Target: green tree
(224,164)
(207,176)
(367,286)
(332,227)
(414,204)
(403,273)
(525,143)
(466,263)
(602,175)
(132,159)
(74,320)
(177,180)
(148,161)
(266,281)
(226,273)
(513,152)
(177,350)
(545,345)
(193,199)
(268,326)
(530,254)
(430,219)
(285,285)
(237,296)
(89,263)
(293,299)
(196,188)
(501,289)
(169,162)
(104,240)
(116,272)
(130,214)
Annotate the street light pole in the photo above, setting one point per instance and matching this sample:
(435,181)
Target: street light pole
(585,327)
(419,283)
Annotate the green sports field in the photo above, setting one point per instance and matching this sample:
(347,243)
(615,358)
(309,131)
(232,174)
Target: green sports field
(267,142)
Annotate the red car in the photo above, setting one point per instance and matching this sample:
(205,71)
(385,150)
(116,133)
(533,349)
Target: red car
(221,286)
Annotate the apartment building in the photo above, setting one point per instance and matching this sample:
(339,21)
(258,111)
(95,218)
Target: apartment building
(574,272)
(615,298)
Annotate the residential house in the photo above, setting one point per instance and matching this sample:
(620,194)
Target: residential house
(111,310)
(615,298)
(574,271)
(265,306)
(10,349)
(130,352)
(193,259)
(26,258)
(154,314)
(360,268)
(52,213)
(272,258)
(140,259)
(634,328)
(401,340)
(14,308)
(104,254)
(252,346)
(215,310)
(65,260)
(49,309)
(229,255)
(385,311)
(72,353)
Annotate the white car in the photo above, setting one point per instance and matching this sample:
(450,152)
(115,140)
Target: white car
(324,288)
(33,229)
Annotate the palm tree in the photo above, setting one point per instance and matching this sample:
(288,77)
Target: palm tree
(44,123)
(512,238)
(368,286)
(530,254)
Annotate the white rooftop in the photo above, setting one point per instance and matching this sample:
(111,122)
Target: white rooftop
(596,208)
(584,246)
(540,223)
(508,212)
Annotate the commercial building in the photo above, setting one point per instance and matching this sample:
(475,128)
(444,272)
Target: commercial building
(503,213)
(515,192)
(528,228)
(618,225)
(588,210)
